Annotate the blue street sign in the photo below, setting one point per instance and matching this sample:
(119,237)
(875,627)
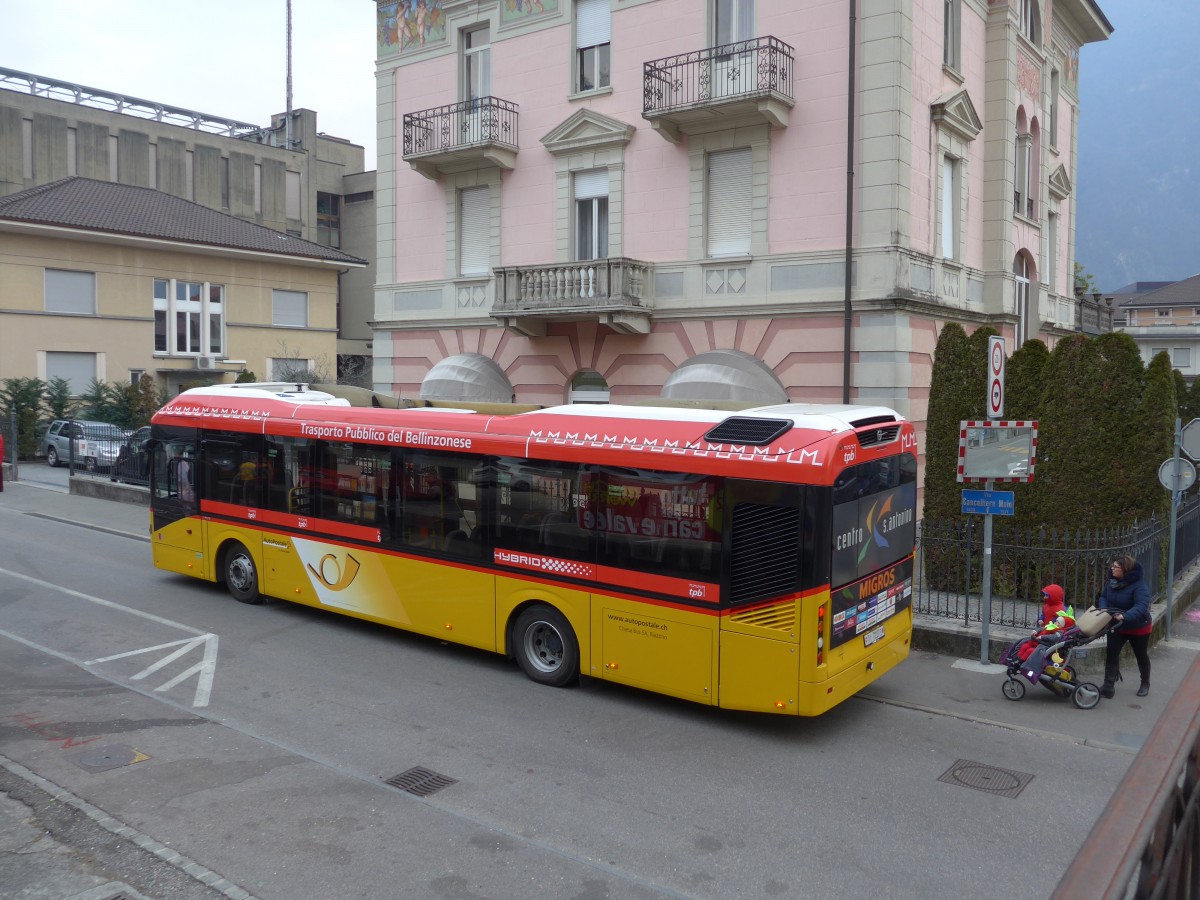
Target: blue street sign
(988,503)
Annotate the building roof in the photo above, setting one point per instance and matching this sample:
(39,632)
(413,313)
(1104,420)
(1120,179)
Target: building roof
(1175,293)
(1140,287)
(109,208)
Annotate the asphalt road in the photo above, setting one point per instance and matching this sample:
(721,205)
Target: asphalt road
(269,732)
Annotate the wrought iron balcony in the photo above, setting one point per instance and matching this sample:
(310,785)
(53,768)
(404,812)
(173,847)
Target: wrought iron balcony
(614,292)
(461,136)
(719,87)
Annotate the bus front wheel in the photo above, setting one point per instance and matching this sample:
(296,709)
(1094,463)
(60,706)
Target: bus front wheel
(241,575)
(545,646)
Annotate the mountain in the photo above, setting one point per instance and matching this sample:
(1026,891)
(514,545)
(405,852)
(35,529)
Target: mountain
(1138,181)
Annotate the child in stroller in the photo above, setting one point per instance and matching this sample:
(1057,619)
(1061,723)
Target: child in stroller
(1044,658)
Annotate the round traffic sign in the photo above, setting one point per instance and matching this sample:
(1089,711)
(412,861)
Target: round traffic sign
(1173,481)
(997,358)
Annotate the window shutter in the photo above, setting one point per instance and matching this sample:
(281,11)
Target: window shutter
(729,202)
(77,368)
(289,308)
(70,292)
(590,184)
(473,231)
(592,23)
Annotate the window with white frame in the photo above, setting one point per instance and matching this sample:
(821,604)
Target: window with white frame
(289,309)
(729,203)
(189,318)
(476,64)
(70,292)
(474,231)
(78,369)
(1181,357)
(1023,176)
(1022,276)
(591,214)
(951,29)
(1052,250)
(733,21)
(951,195)
(593,34)
(1031,21)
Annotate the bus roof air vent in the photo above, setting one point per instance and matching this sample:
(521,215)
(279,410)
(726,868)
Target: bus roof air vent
(747,430)
(880,434)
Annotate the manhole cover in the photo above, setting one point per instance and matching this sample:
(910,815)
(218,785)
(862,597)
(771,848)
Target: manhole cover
(101,759)
(982,777)
(419,781)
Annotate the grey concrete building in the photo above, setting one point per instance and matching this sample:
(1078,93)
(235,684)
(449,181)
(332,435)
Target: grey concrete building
(289,177)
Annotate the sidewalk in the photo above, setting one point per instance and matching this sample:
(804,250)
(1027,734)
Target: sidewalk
(55,842)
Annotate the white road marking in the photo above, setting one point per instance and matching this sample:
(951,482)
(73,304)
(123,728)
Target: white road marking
(205,669)
(974,665)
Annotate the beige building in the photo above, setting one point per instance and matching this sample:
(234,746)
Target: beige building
(112,282)
(286,176)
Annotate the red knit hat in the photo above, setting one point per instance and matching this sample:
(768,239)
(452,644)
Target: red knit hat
(1052,596)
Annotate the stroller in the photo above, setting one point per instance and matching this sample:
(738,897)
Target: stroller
(1049,664)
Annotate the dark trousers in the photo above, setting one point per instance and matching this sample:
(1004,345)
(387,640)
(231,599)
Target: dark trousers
(1139,643)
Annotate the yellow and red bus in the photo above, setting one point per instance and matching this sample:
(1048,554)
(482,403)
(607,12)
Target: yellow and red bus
(759,560)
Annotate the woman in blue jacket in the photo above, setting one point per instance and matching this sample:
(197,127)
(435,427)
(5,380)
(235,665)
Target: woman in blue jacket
(1128,597)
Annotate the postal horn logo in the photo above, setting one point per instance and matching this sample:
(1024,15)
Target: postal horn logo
(873,527)
(333,574)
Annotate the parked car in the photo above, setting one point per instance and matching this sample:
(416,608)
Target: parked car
(96,443)
(133,459)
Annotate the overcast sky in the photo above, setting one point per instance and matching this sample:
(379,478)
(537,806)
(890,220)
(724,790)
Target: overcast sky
(225,58)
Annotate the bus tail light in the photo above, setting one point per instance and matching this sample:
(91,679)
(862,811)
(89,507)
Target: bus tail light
(821,634)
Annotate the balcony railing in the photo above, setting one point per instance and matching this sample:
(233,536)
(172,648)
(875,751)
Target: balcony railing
(470,132)
(748,76)
(613,291)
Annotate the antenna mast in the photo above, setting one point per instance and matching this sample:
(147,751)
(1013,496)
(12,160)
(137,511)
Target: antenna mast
(288,127)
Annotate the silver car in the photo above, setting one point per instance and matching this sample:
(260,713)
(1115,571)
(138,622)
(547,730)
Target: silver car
(97,444)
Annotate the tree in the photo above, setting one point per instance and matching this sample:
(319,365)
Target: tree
(949,404)
(21,399)
(1152,441)
(57,399)
(1085,283)
(1025,380)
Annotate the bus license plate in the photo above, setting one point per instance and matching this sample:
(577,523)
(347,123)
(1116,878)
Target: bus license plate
(873,636)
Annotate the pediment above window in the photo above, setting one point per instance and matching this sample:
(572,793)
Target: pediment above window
(956,112)
(587,130)
(1060,183)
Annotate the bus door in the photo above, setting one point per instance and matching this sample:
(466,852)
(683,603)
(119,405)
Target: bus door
(175,530)
(231,482)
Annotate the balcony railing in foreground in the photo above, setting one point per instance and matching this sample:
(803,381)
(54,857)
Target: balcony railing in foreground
(481,129)
(758,70)
(613,291)
(1146,843)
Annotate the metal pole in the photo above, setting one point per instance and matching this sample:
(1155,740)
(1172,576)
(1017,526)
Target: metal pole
(848,313)
(985,600)
(1174,509)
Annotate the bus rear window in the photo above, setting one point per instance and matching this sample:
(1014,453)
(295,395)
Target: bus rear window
(874,517)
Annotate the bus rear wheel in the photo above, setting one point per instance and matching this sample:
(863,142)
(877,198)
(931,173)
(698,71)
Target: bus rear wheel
(241,575)
(545,646)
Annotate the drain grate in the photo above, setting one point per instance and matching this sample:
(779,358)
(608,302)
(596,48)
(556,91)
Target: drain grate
(420,781)
(990,779)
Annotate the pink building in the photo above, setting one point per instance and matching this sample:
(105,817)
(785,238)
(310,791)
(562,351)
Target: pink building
(626,199)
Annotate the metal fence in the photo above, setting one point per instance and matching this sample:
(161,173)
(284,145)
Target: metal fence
(949,570)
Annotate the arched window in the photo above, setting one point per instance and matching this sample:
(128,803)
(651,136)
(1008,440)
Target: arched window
(1023,167)
(588,386)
